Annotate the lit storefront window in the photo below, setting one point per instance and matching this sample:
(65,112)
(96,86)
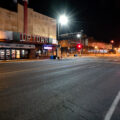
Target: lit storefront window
(23,52)
(18,54)
(2,54)
(13,54)
(7,54)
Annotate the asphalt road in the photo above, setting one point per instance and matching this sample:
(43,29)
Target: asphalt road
(70,89)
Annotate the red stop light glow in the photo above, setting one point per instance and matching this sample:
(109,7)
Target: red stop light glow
(79,46)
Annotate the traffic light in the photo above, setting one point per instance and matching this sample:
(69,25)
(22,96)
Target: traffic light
(79,46)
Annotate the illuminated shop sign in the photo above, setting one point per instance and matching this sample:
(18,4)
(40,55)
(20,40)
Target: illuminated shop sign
(7,35)
(16,36)
(47,47)
(54,41)
(34,38)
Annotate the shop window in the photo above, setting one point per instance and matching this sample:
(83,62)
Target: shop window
(13,54)
(17,54)
(7,54)
(2,54)
(23,52)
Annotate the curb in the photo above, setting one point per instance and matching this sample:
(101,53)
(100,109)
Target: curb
(17,61)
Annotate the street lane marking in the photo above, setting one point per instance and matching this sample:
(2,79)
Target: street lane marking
(113,107)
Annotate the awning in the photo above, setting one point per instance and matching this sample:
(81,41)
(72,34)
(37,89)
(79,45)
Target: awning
(23,46)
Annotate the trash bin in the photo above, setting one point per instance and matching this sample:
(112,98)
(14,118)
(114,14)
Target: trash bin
(75,55)
(51,57)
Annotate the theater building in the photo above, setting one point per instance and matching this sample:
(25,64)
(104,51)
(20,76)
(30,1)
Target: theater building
(26,34)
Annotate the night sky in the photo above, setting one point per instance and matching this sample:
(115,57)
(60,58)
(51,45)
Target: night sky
(98,18)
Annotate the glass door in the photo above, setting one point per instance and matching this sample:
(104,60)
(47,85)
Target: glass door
(13,54)
(2,54)
(7,54)
(18,54)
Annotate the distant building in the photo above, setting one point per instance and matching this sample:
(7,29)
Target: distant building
(40,39)
(101,45)
(69,41)
(97,46)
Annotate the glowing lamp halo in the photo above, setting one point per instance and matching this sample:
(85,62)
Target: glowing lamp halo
(63,19)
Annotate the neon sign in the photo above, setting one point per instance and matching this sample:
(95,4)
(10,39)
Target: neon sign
(47,47)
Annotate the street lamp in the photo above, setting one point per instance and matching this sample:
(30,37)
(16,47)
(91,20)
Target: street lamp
(62,20)
(79,45)
(96,47)
(78,35)
(112,42)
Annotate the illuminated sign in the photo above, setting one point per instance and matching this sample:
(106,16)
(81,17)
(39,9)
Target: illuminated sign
(7,35)
(16,36)
(47,47)
(34,38)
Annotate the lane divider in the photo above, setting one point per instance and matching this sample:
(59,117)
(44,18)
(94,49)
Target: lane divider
(113,107)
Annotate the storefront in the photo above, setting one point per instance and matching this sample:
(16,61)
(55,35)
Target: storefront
(15,45)
(45,50)
(10,51)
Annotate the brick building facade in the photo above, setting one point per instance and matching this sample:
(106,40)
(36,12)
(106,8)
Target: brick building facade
(41,31)
(98,47)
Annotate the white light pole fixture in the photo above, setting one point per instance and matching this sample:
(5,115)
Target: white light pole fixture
(63,19)
(78,35)
(96,47)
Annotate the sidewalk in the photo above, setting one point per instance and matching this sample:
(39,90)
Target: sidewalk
(67,57)
(22,60)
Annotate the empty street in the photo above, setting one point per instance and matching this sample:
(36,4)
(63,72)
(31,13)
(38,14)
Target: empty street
(85,88)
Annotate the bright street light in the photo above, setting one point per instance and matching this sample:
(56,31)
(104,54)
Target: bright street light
(78,35)
(96,47)
(63,20)
(112,41)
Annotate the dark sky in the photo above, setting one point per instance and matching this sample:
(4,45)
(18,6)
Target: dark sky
(98,18)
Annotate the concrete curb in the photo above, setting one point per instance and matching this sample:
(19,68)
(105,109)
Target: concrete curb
(22,60)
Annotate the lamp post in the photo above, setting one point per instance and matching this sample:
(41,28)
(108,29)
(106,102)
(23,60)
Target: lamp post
(79,37)
(96,48)
(112,42)
(62,20)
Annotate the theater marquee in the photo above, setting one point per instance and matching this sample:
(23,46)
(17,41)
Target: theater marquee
(16,36)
